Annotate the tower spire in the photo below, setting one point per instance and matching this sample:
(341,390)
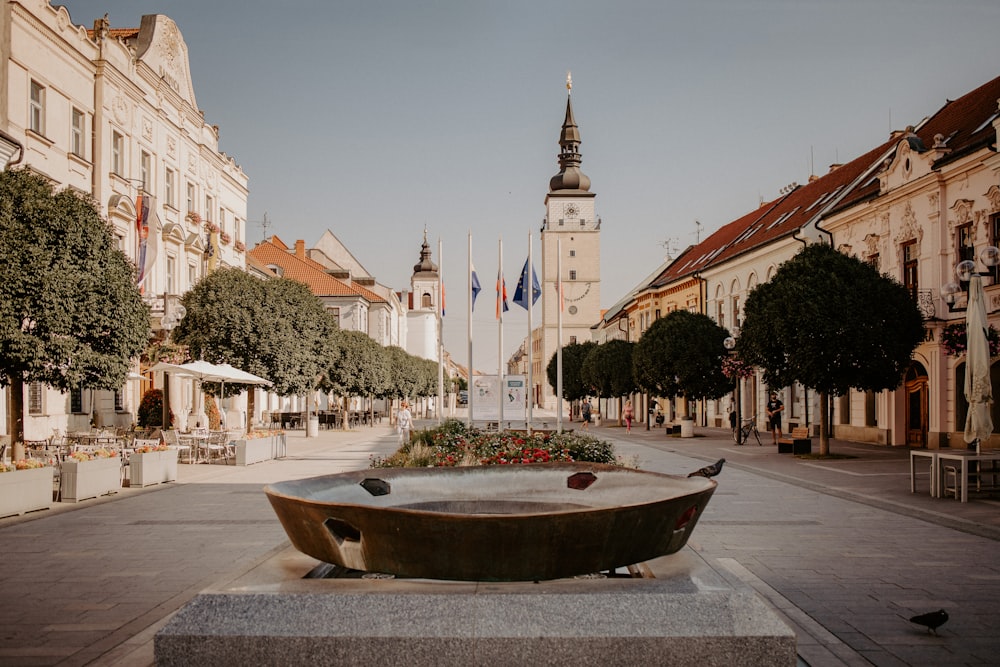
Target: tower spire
(569,177)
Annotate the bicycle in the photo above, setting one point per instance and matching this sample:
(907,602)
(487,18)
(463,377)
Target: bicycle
(748,427)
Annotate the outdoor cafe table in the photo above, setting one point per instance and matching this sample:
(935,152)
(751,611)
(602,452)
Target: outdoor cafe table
(932,455)
(965,457)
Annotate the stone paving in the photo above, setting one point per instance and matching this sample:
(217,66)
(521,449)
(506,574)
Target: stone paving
(840,548)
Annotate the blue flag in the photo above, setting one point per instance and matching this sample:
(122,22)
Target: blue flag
(521,294)
(475,285)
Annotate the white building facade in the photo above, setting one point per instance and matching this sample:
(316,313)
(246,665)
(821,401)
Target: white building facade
(112,112)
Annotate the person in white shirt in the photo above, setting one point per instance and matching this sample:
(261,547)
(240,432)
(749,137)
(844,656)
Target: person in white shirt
(404,422)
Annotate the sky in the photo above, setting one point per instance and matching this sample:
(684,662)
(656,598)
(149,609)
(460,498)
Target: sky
(380,119)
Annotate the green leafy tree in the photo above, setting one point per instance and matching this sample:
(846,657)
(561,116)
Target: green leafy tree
(358,367)
(608,368)
(573,384)
(830,322)
(277,329)
(70,312)
(681,355)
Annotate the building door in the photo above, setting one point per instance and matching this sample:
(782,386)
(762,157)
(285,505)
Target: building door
(916,388)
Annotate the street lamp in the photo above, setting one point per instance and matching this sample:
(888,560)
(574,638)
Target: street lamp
(964,270)
(730,344)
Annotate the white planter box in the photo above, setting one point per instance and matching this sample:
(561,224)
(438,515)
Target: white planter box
(89,479)
(254,450)
(152,468)
(25,491)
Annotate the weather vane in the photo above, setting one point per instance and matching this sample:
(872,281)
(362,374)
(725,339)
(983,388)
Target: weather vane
(569,82)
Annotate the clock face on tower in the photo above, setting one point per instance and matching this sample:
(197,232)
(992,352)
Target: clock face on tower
(570,210)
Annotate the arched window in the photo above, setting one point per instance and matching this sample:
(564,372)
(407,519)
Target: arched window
(425,300)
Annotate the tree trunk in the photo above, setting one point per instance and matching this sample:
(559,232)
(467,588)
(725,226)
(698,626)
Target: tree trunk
(345,412)
(15,417)
(824,423)
(251,406)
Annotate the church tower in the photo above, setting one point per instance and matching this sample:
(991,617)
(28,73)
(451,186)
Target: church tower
(425,299)
(571,225)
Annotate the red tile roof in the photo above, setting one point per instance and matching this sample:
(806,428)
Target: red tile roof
(305,270)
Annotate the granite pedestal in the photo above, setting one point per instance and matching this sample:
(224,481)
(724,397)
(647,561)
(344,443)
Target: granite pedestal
(685,613)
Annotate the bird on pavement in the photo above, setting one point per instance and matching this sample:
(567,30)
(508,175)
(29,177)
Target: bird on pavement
(709,471)
(932,620)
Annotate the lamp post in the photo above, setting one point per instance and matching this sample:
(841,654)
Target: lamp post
(964,270)
(730,344)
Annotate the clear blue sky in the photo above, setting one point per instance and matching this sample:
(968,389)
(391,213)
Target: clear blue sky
(375,119)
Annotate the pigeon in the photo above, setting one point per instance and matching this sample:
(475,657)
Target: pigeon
(933,620)
(709,471)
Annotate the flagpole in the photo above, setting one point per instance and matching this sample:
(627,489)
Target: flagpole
(501,287)
(559,359)
(468,293)
(440,336)
(531,302)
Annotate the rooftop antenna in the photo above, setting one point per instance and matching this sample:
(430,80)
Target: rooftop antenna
(264,224)
(697,232)
(670,246)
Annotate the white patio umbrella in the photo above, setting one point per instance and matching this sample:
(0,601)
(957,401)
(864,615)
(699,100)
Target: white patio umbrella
(978,387)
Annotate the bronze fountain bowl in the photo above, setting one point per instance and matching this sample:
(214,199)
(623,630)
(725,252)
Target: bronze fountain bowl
(490,523)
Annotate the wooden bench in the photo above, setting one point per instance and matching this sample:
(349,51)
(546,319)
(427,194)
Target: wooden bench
(797,442)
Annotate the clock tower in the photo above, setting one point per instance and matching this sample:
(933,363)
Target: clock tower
(572,228)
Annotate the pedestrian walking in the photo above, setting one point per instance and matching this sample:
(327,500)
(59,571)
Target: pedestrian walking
(628,413)
(585,412)
(404,422)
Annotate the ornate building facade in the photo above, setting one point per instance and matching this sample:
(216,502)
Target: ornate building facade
(112,112)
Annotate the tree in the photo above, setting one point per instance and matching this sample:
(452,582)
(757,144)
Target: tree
(358,367)
(608,368)
(70,312)
(681,355)
(573,356)
(832,323)
(277,329)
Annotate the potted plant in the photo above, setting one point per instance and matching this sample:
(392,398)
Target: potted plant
(25,486)
(152,464)
(89,475)
(953,340)
(240,246)
(225,238)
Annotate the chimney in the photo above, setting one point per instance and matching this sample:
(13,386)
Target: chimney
(300,249)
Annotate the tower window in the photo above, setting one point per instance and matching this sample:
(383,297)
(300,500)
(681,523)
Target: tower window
(425,300)
(572,253)
(572,274)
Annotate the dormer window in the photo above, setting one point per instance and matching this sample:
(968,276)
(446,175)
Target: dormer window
(278,271)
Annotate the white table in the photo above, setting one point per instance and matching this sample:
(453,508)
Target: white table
(932,455)
(965,457)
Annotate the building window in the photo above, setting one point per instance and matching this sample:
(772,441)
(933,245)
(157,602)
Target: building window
(572,274)
(209,205)
(572,253)
(910,268)
(117,153)
(190,198)
(736,311)
(873,261)
(425,300)
(995,229)
(36,110)
(119,402)
(966,246)
(144,169)
(169,184)
(76,401)
(192,275)
(171,271)
(335,311)
(35,398)
(222,219)
(77,133)
(572,340)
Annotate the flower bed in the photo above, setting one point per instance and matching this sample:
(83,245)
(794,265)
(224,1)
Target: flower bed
(255,447)
(25,486)
(453,444)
